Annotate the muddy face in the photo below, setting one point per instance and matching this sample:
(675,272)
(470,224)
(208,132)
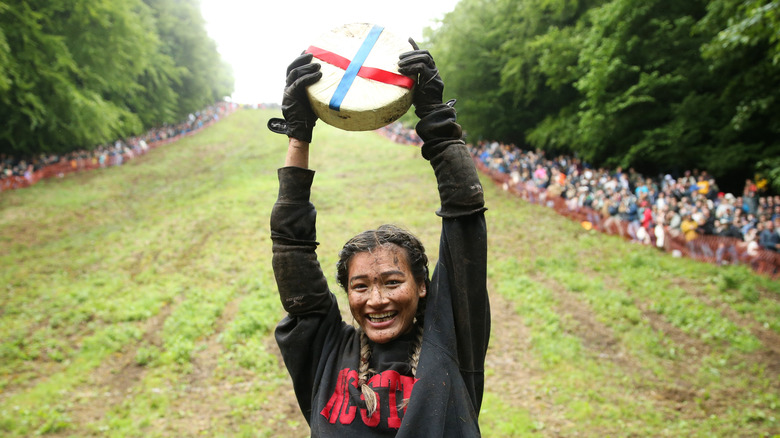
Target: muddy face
(383,295)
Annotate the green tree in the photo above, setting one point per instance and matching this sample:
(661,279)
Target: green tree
(509,63)
(466,47)
(44,102)
(743,54)
(203,77)
(542,69)
(638,64)
(649,84)
(77,73)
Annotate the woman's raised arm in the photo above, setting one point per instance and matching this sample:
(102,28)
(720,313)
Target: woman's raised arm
(297,154)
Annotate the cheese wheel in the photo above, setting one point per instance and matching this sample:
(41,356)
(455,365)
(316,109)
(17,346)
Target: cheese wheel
(360,88)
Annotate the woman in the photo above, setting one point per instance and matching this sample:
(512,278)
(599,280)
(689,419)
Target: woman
(414,365)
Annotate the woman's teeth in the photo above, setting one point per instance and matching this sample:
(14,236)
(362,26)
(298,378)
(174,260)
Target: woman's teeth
(381,317)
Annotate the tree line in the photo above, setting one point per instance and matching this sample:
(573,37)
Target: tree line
(651,84)
(78,73)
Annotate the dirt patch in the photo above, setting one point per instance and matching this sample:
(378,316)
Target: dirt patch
(769,338)
(113,381)
(512,370)
(291,422)
(766,358)
(596,337)
(692,346)
(27,374)
(194,397)
(512,373)
(675,392)
(205,361)
(208,382)
(680,390)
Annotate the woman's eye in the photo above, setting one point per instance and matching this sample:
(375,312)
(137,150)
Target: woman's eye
(393,282)
(359,287)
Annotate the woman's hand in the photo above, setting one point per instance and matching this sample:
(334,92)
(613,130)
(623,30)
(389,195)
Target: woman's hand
(437,119)
(299,118)
(429,86)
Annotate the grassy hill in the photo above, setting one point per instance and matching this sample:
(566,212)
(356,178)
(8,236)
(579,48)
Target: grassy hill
(139,301)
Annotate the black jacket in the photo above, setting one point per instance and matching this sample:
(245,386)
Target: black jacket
(321,351)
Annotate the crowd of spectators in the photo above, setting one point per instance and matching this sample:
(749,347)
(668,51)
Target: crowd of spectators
(398,133)
(17,172)
(689,205)
(651,210)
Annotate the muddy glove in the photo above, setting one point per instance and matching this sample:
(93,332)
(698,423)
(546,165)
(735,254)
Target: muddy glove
(299,119)
(419,65)
(437,119)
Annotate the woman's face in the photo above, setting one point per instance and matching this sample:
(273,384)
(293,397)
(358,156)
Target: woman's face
(383,295)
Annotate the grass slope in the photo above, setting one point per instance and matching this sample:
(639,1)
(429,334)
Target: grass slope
(139,301)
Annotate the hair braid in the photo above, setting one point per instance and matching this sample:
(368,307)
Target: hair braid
(414,359)
(369,396)
(363,373)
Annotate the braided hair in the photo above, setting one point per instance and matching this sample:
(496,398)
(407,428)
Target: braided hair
(368,241)
(364,372)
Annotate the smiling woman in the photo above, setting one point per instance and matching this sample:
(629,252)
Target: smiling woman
(383,291)
(414,365)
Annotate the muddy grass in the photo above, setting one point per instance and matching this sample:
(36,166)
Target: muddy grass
(511,364)
(511,368)
(195,229)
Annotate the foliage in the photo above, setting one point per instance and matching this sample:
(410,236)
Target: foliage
(203,77)
(465,47)
(644,84)
(770,169)
(77,73)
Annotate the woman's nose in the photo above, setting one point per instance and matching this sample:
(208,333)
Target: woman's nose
(376,295)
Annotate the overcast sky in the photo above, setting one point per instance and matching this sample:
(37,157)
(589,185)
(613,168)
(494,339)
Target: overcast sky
(259,38)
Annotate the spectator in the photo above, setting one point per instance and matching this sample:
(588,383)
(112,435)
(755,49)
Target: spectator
(769,238)
(689,228)
(752,247)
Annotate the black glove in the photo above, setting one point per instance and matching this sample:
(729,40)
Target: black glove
(437,119)
(299,119)
(428,91)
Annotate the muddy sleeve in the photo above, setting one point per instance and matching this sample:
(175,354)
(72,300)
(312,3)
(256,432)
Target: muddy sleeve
(460,191)
(460,278)
(302,286)
(304,334)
